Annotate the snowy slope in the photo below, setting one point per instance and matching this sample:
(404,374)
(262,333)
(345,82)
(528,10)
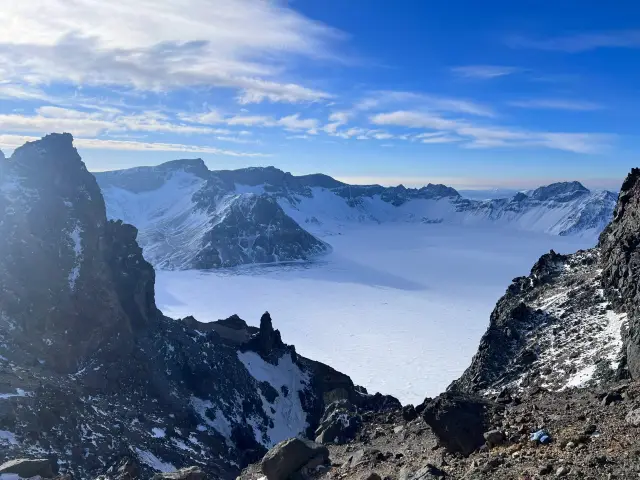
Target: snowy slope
(190,217)
(584,214)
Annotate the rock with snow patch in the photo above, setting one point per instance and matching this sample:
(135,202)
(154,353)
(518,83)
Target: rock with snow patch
(339,424)
(190,473)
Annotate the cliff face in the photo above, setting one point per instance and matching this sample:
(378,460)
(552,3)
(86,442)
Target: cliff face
(619,247)
(62,260)
(92,372)
(575,320)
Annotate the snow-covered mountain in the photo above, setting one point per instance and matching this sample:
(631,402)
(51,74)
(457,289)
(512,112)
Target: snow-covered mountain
(190,217)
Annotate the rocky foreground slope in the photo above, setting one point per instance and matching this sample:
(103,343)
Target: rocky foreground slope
(552,392)
(95,383)
(190,217)
(94,378)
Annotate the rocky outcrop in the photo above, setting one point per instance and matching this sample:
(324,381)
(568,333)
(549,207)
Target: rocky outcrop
(28,468)
(288,457)
(339,424)
(620,250)
(554,329)
(92,374)
(255,229)
(460,421)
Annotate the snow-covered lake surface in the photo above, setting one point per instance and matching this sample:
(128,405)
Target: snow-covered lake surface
(400,308)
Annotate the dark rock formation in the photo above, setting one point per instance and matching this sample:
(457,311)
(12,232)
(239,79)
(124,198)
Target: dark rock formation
(619,246)
(289,456)
(459,421)
(255,229)
(561,191)
(339,424)
(92,373)
(27,468)
(191,473)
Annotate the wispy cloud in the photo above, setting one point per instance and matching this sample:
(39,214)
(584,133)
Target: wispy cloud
(293,122)
(413,119)
(557,104)
(484,72)
(92,123)
(379,99)
(16,91)
(474,136)
(581,42)
(13,141)
(336,120)
(245,45)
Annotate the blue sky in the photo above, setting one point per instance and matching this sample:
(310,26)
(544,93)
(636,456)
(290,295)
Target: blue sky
(472,94)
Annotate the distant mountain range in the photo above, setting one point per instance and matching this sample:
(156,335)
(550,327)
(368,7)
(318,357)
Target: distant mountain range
(191,217)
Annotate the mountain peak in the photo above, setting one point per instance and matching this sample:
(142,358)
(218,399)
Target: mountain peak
(191,165)
(562,191)
(57,147)
(440,190)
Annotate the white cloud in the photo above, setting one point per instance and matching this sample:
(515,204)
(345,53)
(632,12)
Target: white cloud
(352,132)
(484,72)
(339,117)
(490,136)
(289,122)
(161,45)
(14,91)
(294,122)
(211,117)
(557,104)
(414,100)
(336,119)
(413,119)
(14,141)
(441,139)
(382,135)
(251,121)
(49,119)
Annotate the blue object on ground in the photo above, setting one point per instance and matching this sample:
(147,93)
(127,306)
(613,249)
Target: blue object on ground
(541,436)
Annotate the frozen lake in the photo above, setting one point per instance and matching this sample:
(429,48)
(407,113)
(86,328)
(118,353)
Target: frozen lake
(400,308)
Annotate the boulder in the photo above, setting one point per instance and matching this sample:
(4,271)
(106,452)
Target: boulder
(409,413)
(494,438)
(28,467)
(339,424)
(289,456)
(459,421)
(190,473)
(428,472)
(633,418)
(378,403)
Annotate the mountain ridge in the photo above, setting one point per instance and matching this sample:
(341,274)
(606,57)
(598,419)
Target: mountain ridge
(214,227)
